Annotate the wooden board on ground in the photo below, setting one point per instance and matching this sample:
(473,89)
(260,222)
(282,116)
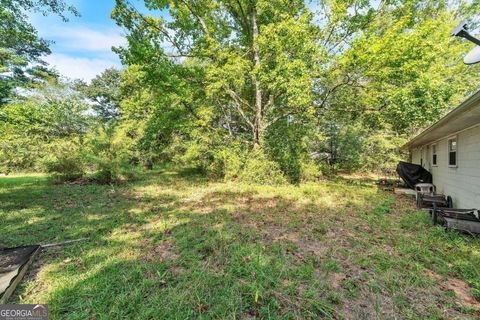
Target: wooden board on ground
(405,191)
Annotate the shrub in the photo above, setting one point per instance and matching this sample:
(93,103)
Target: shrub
(64,161)
(228,162)
(113,170)
(309,171)
(233,163)
(64,167)
(258,169)
(326,169)
(109,156)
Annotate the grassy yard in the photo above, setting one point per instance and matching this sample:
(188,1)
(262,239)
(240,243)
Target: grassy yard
(175,245)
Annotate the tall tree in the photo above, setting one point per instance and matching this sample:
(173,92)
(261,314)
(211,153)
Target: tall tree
(21,48)
(406,70)
(104,91)
(252,61)
(254,69)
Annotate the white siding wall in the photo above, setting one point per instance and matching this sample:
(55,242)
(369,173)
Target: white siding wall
(463,182)
(416,156)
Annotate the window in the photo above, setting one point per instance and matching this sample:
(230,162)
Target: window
(452,152)
(434,155)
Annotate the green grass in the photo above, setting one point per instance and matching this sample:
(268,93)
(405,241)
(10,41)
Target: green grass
(175,246)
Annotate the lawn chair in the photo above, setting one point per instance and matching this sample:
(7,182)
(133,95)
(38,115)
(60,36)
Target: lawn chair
(425,188)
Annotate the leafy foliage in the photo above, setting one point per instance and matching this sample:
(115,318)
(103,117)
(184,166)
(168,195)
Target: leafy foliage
(260,170)
(108,154)
(104,91)
(277,75)
(21,48)
(65,163)
(31,127)
(266,91)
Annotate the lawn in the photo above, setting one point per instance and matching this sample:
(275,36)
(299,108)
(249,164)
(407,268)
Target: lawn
(174,245)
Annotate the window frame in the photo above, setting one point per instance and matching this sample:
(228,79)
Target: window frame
(449,151)
(434,150)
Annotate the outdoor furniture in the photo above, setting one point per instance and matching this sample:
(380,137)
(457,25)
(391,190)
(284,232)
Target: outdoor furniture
(425,188)
(413,174)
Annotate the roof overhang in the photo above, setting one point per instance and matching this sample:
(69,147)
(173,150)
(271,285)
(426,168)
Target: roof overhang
(464,116)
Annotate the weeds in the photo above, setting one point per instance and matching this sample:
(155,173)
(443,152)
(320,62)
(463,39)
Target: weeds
(170,245)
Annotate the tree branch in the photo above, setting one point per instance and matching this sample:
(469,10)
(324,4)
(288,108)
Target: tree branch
(237,103)
(331,91)
(199,19)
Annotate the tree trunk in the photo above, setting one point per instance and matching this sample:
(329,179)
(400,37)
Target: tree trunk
(258,124)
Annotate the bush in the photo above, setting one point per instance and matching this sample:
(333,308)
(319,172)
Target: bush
(20,153)
(309,171)
(112,169)
(326,169)
(233,163)
(64,161)
(228,162)
(64,167)
(109,155)
(260,170)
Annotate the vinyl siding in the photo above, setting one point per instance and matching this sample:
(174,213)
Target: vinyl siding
(463,182)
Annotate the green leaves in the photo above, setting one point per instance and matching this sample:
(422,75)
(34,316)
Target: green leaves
(274,74)
(415,73)
(30,128)
(20,44)
(104,91)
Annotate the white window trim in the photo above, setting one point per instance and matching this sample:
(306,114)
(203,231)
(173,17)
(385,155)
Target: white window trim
(448,152)
(436,153)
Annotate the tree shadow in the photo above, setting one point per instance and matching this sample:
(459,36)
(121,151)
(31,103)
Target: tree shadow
(39,213)
(225,248)
(235,253)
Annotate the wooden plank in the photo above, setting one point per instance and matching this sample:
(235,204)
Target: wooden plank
(63,243)
(405,191)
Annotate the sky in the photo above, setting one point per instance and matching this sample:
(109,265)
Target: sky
(82,46)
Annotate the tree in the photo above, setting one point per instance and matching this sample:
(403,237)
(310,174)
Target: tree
(407,74)
(104,91)
(256,71)
(32,128)
(21,48)
(249,62)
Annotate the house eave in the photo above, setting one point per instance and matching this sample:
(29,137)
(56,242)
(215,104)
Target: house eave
(466,115)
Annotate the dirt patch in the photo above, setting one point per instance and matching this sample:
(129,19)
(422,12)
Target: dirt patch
(461,289)
(177,270)
(337,280)
(463,292)
(274,233)
(162,252)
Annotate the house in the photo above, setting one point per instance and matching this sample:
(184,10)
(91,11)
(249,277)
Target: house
(450,150)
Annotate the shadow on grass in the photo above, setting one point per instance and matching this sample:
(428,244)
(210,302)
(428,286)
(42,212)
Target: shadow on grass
(299,252)
(225,254)
(36,211)
(209,265)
